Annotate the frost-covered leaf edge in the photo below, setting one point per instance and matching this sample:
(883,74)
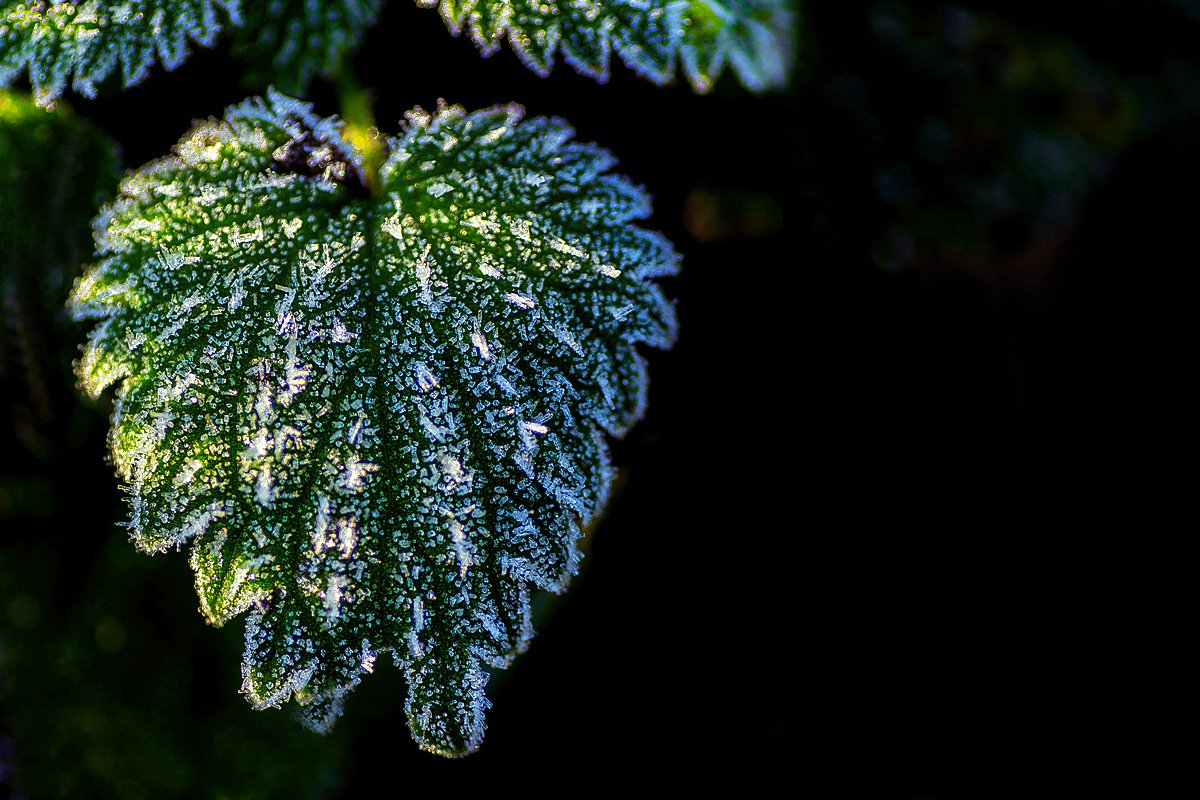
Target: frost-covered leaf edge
(83,44)
(755,36)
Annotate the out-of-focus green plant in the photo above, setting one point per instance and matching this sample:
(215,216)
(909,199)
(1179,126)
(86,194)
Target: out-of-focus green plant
(104,690)
(975,139)
(55,171)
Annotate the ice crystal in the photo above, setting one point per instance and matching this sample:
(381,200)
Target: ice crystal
(375,422)
(754,36)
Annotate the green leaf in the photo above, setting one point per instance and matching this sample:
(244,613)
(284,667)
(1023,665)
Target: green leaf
(376,422)
(755,36)
(82,43)
(287,41)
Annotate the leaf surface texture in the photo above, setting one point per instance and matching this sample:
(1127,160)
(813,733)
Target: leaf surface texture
(375,423)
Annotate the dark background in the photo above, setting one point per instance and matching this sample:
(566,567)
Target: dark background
(906,527)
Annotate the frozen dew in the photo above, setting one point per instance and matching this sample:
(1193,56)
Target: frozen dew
(424,271)
(426,380)
(254,233)
(211,194)
(189,470)
(418,613)
(171,260)
(622,313)
(356,473)
(562,247)
(263,489)
(520,300)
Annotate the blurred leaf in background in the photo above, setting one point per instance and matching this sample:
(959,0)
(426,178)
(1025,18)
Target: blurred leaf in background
(285,43)
(55,172)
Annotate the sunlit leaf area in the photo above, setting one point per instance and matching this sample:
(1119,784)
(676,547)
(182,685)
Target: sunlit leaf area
(745,397)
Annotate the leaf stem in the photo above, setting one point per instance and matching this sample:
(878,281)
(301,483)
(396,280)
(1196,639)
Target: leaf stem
(359,130)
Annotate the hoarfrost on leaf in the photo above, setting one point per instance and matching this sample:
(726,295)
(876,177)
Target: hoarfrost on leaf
(756,37)
(375,422)
(80,44)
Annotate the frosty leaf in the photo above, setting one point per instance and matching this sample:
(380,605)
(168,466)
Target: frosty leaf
(82,43)
(375,422)
(755,36)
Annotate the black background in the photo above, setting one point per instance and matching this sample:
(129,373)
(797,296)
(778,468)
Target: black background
(883,534)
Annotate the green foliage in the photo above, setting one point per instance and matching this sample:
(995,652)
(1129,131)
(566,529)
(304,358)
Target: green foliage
(755,36)
(82,44)
(286,42)
(107,686)
(67,43)
(55,171)
(376,421)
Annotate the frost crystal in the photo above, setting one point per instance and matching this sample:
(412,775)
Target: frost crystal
(376,423)
(755,36)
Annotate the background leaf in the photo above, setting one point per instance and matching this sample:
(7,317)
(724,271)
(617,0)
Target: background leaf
(755,36)
(81,44)
(56,170)
(287,42)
